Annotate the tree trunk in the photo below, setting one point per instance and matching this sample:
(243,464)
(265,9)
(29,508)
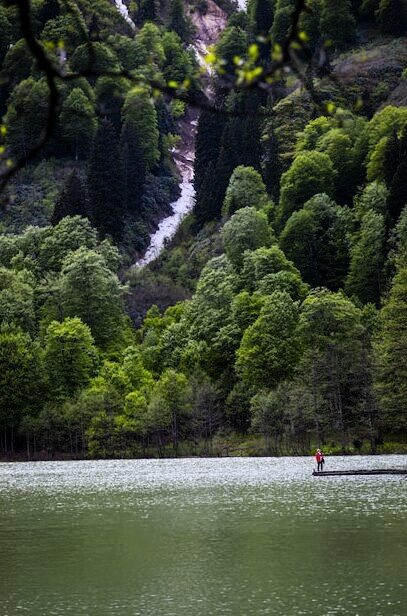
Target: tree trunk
(27,439)
(315,403)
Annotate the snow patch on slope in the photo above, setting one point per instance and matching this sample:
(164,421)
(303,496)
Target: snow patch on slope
(208,28)
(124,11)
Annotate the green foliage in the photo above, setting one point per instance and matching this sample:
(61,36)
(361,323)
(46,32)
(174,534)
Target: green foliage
(126,50)
(366,276)
(258,345)
(397,195)
(170,405)
(337,23)
(373,198)
(392,345)
(96,58)
(69,356)
(208,138)
(110,94)
(267,417)
(246,189)
(70,29)
(270,347)
(289,282)
(282,23)
(70,234)
(209,308)
(134,167)
(140,114)
(178,22)
(246,230)
(339,147)
(17,298)
(78,122)
(263,262)
(315,239)
(312,133)
(20,375)
(91,291)
(232,44)
(26,115)
(18,62)
(106,182)
(261,16)
(392,17)
(72,200)
(178,64)
(149,43)
(5,33)
(383,125)
(332,331)
(311,173)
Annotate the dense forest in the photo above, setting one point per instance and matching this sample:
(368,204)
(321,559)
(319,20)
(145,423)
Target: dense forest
(276,318)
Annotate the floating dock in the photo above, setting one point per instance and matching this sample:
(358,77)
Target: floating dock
(373,471)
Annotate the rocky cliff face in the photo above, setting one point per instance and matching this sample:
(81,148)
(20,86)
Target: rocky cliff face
(208,27)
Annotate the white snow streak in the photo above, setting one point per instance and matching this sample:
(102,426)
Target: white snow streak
(123,10)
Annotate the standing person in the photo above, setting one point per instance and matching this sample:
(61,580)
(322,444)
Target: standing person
(319,457)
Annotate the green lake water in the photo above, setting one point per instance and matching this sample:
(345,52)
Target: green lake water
(193,537)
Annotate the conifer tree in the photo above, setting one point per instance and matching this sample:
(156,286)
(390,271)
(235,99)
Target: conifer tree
(391,158)
(139,111)
(365,279)
(271,165)
(232,42)
(314,238)
(337,23)
(208,139)
(6,33)
(73,199)
(134,168)
(147,11)
(105,182)
(210,198)
(398,188)
(49,10)
(78,122)
(393,352)
(282,23)
(392,17)
(178,21)
(261,18)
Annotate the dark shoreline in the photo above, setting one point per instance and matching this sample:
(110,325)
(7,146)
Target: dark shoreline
(68,458)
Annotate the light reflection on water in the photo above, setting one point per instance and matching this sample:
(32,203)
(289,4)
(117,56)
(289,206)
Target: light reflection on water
(193,537)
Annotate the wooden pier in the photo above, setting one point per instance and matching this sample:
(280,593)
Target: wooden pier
(373,471)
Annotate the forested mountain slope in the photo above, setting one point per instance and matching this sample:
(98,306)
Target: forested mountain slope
(282,301)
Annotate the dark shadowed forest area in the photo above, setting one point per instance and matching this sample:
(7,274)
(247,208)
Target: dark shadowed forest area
(275,319)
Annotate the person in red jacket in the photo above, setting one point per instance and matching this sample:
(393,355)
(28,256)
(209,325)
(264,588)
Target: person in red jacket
(319,457)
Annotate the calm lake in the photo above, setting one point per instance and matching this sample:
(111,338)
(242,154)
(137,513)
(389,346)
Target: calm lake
(202,537)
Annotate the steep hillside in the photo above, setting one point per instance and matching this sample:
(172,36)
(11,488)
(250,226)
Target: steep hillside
(276,318)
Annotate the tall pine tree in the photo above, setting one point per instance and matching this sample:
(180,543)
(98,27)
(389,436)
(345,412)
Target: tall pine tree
(393,352)
(261,19)
(178,21)
(208,138)
(133,167)
(337,23)
(398,188)
(73,199)
(105,182)
(392,17)
(391,158)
